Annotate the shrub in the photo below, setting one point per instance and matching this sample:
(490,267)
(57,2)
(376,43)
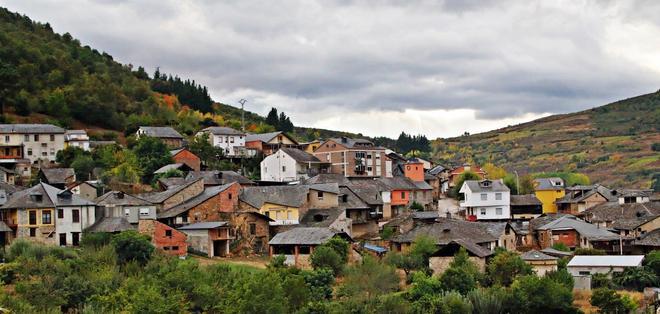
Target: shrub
(326,257)
(601,281)
(340,246)
(532,294)
(487,300)
(589,251)
(416,206)
(457,279)
(608,301)
(635,278)
(95,239)
(505,267)
(561,247)
(132,246)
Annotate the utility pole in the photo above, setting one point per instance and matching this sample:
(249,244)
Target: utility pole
(517,182)
(242,102)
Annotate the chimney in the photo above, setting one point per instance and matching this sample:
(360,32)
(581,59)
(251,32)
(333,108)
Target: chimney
(448,214)
(120,195)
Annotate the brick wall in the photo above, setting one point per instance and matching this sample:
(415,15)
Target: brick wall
(174,245)
(188,158)
(209,210)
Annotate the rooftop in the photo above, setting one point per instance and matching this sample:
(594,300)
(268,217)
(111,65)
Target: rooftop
(585,229)
(537,256)
(304,236)
(205,225)
(486,186)
(161,132)
(299,155)
(221,130)
(606,261)
(57,175)
(31,128)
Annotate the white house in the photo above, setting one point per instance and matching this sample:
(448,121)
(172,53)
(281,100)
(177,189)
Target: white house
(486,200)
(230,140)
(290,164)
(585,265)
(76,138)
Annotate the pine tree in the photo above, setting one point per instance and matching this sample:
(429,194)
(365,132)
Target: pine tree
(272,118)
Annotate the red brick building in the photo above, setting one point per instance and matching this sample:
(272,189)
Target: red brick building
(164,237)
(186,157)
(354,157)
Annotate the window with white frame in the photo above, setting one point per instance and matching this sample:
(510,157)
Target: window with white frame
(483,212)
(484,196)
(498,196)
(498,211)
(144,211)
(127,211)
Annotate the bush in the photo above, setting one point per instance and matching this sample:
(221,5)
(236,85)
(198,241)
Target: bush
(319,283)
(340,246)
(95,239)
(608,301)
(652,261)
(561,247)
(487,300)
(505,267)
(561,276)
(326,257)
(132,246)
(532,294)
(589,251)
(601,281)
(635,278)
(416,206)
(457,279)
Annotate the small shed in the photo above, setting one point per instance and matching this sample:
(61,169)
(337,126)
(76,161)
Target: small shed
(210,237)
(541,263)
(297,244)
(584,265)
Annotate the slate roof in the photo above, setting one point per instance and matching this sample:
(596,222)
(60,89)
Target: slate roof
(287,195)
(4,227)
(172,181)
(215,177)
(208,193)
(115,198)
(606,261)
(328,178)
(353,142)
(446,230)
(398,183)
(544,219)
(425,215)
(525,200)
(437,170)
(473,248)
(585,229)
(480,186)
(651,238)
(166,168)
(31,128)
(161,132)
(221,130)
(367,193)
(159,197)
(79,132)
(623,216)
(556,253)
(303,236)
(205,225)
(5,170)
(57,175)
(299,155)
(50,198)
(578,193)
(267,137)
(542,184)
(111,224)
(422,185)
(327,217)
(537,256)
(632,192)
(352,200)
(9,189)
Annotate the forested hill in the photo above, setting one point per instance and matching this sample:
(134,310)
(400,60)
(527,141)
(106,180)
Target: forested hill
(50,77)
(617,144)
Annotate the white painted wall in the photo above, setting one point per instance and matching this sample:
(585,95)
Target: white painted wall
(43,148)
(66,224)
(226,142)
(486,208)
(279,167)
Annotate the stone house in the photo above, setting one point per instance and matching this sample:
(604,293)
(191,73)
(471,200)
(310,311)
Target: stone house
(210,237)
(118,204)
(438,178)
(85,189)
(39,143)
(168,135)
(60,178)
(354,157)
(525,207)
(164,237)
(46,214)
(297,244)
(582,197)
(576,233)
(216,177)
(175,195)
(455,173)
(186,157)
(269,143)
(441,259)
(541,263)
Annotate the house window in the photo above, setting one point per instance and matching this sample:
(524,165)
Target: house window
(60,213)
(168,233)
(369,168)
(33,232)
(44,154)
(283,168)
(26,138)
(231,139)
(36,137)
(52,137)
(62,239)
(75,238)
(484,196)
(498,211)
(29,151)
(483,212)
(127,212)
(328,157)
(144,211)
(184,219)
(166,248)
(289,215)
(75,215)
(220,139)
(229,196)
(498,196)
(175,248)
(52,151)
(584,273)
(32,217)
(46,217)
(253,229)
(319,194)
(6,138)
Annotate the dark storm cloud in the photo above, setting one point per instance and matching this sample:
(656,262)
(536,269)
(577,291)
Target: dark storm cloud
(501,59)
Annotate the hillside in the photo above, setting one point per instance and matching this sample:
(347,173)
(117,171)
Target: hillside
(50,77)
(612,144)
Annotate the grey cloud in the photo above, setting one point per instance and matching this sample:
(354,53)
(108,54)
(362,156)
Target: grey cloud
(500,59)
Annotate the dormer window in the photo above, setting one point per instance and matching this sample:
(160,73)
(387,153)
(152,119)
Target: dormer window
(36,197)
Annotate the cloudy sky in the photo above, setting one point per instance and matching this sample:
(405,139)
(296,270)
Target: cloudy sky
(381,67)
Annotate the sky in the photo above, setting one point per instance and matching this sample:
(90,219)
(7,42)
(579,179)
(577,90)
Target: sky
(438,68)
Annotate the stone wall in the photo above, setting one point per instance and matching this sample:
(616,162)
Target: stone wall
(209,210)
(185,194)
(439,264)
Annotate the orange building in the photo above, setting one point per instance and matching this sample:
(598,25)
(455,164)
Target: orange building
(164,237)
(414,171)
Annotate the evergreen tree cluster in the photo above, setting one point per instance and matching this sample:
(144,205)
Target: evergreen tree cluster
(406,143)
(189,93)
(281,122)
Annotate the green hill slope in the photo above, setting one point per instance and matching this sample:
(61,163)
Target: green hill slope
(613,144)
(48,77)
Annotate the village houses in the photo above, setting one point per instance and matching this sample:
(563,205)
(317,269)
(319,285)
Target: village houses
(486,200)
(168,135)
(290,164)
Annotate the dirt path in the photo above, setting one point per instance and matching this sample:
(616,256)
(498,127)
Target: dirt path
(256,262)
